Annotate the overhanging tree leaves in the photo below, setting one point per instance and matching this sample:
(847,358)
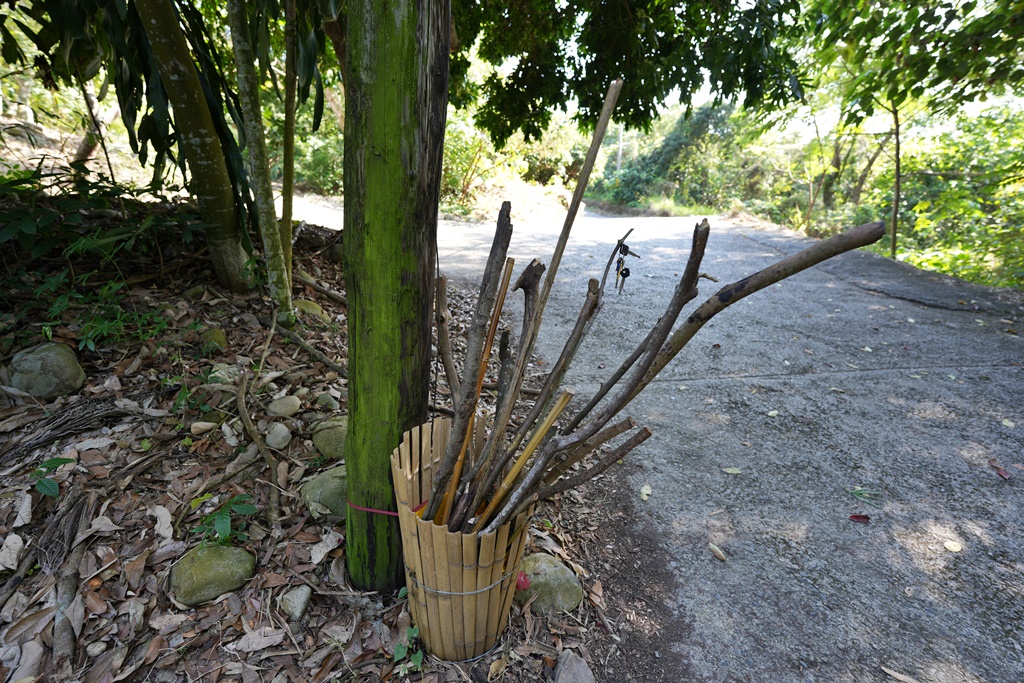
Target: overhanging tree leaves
(565,51)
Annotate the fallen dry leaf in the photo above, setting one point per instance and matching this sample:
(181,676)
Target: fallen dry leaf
(999,470)
(716,551)
(260,639)
(952,546)
(1008,423)
(773,413)
(331,540)
(900,677)
(645,492)
(10,553)
(860,519)
(732,470)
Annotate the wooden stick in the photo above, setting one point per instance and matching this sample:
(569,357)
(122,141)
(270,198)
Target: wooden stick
(588,447)
(520,463)
(685,291)
(588,474)
(466,405)
(315,353)
(561,366)
(854,238)
(312,284)
(469,482)
(274,497)
(453,483)
(442,317)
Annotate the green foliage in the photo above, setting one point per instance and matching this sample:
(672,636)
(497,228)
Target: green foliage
(44,483)
(962,206)
(468,156)
(404,650)
(694,164)
(545,54)
(223,523)
(895,52)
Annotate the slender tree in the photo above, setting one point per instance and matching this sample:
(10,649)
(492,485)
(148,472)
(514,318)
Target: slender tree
(288,153)
(395,111)
(210,182)
(278,275)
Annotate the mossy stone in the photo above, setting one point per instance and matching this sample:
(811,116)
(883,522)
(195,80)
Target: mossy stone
(47,371)
(206,572)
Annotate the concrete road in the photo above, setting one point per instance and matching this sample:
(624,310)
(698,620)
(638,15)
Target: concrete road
(858,373)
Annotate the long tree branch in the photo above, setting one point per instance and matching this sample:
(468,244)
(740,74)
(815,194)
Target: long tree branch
(686,290)
(854,238)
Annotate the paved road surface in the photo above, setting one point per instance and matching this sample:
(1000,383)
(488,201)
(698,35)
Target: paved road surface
(860,372)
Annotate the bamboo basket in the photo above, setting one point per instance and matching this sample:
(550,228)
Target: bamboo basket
(460,585)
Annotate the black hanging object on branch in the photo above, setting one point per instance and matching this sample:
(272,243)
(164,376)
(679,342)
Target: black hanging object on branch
(621,271)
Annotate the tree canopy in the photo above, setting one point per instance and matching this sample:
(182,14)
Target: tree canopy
(545,54)
(947,51)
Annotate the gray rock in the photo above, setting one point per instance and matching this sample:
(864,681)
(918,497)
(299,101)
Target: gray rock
(325,400)
(571,668)
(295,601)
(286,406)
(556,587)
(47,371)
(329,437)
(206,572)
(326,493)
(224,373)
(278,437)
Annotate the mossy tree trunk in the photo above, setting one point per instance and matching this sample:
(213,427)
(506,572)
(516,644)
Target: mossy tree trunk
(249,98)
(396,66)
(210,183)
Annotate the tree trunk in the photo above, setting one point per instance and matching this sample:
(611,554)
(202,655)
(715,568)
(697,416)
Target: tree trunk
(896,182)
(288,181)
(259,168)
(210,183)
(396,99)
(862,179)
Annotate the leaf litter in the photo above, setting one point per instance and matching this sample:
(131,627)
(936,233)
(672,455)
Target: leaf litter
(138,442)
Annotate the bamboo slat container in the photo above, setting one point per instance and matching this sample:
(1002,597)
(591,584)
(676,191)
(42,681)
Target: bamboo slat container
(460,585)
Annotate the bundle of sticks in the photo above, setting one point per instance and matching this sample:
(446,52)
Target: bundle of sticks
(479,492)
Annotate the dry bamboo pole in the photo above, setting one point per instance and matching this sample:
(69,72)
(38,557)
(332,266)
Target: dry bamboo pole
(531,446)
(468,490)
(685,291)
(453,483)
(532,323)
(561,366)
(466,404)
